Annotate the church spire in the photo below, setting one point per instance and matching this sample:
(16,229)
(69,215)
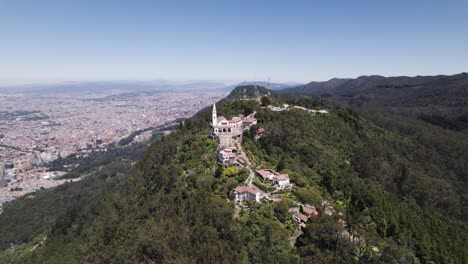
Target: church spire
(214,117)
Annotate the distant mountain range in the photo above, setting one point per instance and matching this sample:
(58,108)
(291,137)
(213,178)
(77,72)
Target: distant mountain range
(441,100)
(395,90)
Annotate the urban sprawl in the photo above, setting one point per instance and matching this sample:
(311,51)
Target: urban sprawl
(36,130)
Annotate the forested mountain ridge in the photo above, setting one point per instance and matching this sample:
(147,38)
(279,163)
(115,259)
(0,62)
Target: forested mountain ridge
(440,100)
(397,186)
(374,82)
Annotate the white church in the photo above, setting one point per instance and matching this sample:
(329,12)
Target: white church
(227,131)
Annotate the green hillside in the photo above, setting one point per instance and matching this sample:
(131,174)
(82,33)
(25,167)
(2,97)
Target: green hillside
(34,213)
(396,188)
(440,100)
(249,92)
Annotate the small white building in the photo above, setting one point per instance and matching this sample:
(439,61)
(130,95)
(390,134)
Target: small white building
(249,121)
(282,180)
(267,174)
(277,108)
(248,192)
(227,155)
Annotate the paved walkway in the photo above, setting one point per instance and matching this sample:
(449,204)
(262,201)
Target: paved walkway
(249,180)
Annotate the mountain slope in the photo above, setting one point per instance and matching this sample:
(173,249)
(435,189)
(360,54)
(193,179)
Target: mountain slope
(365,169)
(375,83)
(397,192)
(248,91)
(272,86)
(440,100)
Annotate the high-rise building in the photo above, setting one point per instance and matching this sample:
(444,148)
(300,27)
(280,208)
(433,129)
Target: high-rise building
(2,170)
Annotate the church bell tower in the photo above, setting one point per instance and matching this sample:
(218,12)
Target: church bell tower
(214,120)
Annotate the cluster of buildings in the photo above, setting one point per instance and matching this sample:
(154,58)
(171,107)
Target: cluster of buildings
(302,216)
(286,107)
(252,192)
(77,123)
(229,132)
(36,129)
(15,183)
(278,108)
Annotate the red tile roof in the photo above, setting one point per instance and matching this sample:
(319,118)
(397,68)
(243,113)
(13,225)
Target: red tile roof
(276,175)
(282,177)
(264,173)
(250,189)
(302,217)
(308,210)
(236,119)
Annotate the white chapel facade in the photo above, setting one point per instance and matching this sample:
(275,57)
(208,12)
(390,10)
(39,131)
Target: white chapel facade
(227,131)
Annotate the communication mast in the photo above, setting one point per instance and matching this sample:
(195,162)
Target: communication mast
(244,95)
(269,86)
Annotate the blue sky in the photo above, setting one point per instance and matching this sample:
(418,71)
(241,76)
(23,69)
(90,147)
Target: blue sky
(290,41)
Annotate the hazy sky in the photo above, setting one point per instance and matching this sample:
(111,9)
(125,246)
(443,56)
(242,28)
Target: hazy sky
(65,40)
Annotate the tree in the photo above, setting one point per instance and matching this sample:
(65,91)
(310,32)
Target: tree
(281,165)
(266,101)
(282,211)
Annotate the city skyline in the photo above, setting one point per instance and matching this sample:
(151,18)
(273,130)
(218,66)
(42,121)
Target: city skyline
(61,41)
